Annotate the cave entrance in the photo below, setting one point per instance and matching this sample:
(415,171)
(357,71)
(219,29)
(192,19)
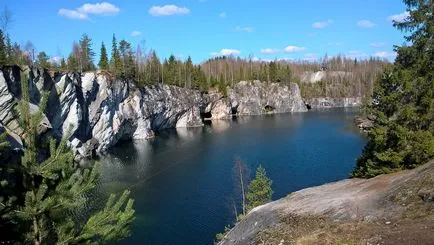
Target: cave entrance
(269,108)
(234,111)
(309,107)
(206,117)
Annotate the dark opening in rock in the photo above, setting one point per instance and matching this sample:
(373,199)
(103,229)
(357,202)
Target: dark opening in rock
(269,108)
(309,107)
(206,117)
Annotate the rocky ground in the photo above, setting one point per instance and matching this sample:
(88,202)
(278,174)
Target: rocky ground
(389,209)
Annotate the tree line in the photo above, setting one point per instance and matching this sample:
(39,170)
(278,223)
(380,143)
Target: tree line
(146,68)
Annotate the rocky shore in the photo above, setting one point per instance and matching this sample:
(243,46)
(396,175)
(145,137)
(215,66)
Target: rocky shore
(99,111)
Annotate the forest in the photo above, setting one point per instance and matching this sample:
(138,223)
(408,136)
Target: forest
(144,67)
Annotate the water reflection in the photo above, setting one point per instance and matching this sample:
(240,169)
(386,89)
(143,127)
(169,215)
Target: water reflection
(182,180)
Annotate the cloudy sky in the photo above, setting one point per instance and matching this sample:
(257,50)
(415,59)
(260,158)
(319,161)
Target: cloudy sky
(283,29)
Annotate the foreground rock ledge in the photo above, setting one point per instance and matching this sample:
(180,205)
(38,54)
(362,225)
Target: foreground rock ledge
(388,203)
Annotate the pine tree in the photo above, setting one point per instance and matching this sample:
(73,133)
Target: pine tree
(63,65)
(154,69)
(402,103)
(103,60)
(260,190)
(56,187)
(3,57)
(86,53)
(72,63)
(115,60)
(9,52)
(43,60)
(189,71)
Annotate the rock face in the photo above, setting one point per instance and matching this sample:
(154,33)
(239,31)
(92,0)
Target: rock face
(319,103)
(314,77)
(98,111)
(351,199)
(254,98)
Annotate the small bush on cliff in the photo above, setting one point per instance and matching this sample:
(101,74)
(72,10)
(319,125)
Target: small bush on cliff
(51,190)
(260,190)
(403,101)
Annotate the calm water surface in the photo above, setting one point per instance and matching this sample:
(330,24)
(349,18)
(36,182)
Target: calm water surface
(182,181)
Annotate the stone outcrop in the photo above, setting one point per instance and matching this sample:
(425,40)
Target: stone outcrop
(254,98)
(314,77)
(97,112)
(319,103)
(384,197)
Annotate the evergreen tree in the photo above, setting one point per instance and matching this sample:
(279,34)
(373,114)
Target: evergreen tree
(189,71)
(103,60)
(43,60)
(115,60)
(55,189)
(9,52)
(3,57)
(154,69)
(86,53)
(63,65)
(260,190)
(403,101)
(273,71)
(72,63)
(127,59)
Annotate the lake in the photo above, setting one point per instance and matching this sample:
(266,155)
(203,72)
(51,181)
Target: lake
(182,181)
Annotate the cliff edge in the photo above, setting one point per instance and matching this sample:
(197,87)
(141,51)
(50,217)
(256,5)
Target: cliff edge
(388,209)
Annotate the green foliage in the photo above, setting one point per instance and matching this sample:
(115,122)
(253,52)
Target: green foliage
(115,60)
(3,57)
(72,63)
(221,236)
(403,102)
(55,187)
(43,60)
(260,190)
(127,60)
(86,53)
(103,60)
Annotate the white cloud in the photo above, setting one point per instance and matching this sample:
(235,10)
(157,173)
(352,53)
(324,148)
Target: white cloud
(269,50)
(244,29)
(385,54)
(378,44)
(103,8)
(322,24)
(72,14)
(167,10)
(223,15)
(136,33)
(294,49)
(83,12)
(226,52)
(399,17)
(365,24)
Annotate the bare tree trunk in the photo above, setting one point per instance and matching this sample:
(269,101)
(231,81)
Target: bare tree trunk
(242,190)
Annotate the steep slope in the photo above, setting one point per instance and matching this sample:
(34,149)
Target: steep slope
(347,211)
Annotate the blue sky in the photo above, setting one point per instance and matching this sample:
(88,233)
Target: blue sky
(282,29)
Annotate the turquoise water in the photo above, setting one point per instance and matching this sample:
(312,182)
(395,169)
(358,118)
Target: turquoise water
(183,184)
